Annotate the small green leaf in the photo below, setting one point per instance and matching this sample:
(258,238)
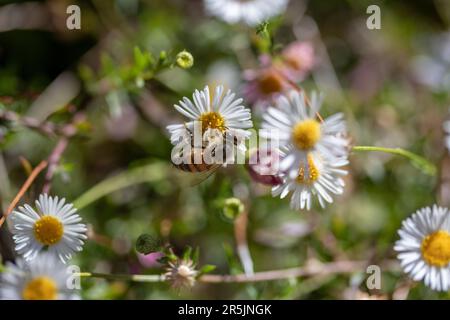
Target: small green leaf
(207,268)
(187,253)
(141,59)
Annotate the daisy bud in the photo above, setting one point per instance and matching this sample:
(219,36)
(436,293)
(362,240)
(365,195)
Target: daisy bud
(146,244)
(232,208)
(184,59)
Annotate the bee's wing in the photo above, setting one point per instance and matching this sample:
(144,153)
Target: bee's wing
(197,178)
(191,179)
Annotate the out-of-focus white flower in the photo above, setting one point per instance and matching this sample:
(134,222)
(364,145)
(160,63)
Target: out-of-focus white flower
(432,68)
(44,278)
(446,127)
(424,247)
(250,12)
(54,225)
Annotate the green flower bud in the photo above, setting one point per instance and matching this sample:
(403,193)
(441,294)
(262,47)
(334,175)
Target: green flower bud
(146,244)
(232,208)
(184,59)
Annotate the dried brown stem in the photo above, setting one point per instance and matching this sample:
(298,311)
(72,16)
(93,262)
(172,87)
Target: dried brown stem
(41,166)
(45,128)
(312,269)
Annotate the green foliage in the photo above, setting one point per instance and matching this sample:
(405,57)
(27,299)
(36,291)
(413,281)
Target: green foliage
(132,69)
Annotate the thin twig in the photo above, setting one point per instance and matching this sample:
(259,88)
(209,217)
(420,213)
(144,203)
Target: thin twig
(41,166)
(53,161)
(45,128)
(311,269)
(240,234)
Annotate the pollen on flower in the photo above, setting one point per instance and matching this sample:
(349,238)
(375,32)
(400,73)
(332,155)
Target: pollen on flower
(305,134)
(48,230)
(270,82)
(309,173)
(436,248)
(212,120)
(40,288)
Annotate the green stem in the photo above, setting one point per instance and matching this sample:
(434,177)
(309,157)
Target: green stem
(147,173)
(125,277)
(419,162)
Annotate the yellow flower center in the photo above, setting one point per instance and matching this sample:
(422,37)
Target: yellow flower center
(270,82)
(309,173)
(48,230)
(305,134)
(40,288)
(212,120)
(436,248)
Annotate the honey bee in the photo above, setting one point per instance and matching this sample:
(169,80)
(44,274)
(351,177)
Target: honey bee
(215,146)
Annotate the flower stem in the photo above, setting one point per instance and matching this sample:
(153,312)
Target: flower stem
(126,277)
(314,268)
(419,162)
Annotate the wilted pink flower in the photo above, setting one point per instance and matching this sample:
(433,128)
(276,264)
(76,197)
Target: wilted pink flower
(263,167)
(298,60)
(150,260)
(264,85)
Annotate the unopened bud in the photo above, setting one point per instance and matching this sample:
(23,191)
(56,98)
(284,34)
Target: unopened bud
(232,208)
(184,60)
(146,244)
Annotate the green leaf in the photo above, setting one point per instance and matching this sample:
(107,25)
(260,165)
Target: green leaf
(153,172)
(207,268)
(196,255)
(141,59)
(187,253)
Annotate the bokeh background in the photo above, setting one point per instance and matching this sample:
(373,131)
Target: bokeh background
(392,84)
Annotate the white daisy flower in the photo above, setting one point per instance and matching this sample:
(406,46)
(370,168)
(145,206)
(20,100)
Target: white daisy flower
(54,225)
(315,177)
(424,247)
(252,12)
(44,278)
(219,113)
(299,129)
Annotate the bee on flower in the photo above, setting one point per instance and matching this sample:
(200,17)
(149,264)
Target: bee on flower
(220,111)
(44,278)
(251,12)
(53,225)
(219,122)
(424,247)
